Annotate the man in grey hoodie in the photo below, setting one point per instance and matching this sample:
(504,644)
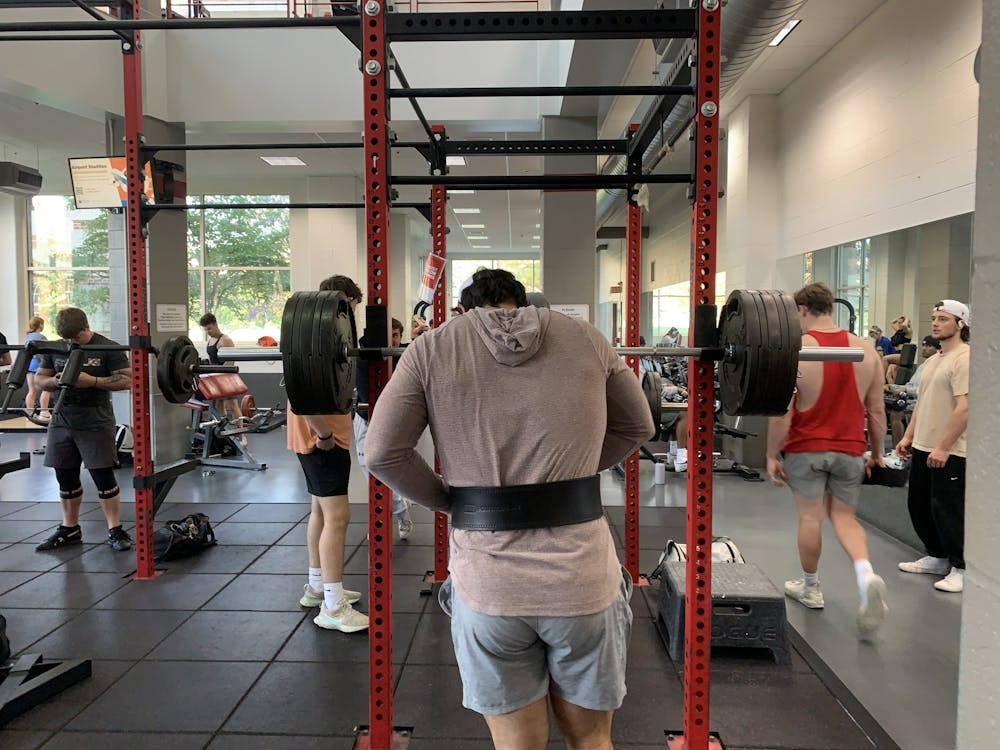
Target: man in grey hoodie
(525,406)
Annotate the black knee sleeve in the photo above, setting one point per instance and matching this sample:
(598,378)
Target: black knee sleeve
(69,483)
(107,485)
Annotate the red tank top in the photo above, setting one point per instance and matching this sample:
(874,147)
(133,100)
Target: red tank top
(836,422)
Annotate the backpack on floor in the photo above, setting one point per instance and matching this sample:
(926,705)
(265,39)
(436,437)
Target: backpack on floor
(183,538)
(724,550)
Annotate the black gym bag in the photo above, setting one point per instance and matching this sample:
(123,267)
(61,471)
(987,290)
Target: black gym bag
(183,538)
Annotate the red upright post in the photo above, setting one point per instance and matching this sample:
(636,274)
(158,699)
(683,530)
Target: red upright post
(138,306)
(701,380)
(375,71)
(439,246)
(633,265)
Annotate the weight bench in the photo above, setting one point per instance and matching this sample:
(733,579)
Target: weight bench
(215,441)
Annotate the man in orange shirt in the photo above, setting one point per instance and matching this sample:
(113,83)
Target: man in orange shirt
(322,445)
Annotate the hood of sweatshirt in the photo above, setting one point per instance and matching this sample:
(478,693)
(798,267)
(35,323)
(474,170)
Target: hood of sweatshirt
(512,336)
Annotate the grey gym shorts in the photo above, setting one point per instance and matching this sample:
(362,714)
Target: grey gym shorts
(508,663)
(812,475)
(67,449)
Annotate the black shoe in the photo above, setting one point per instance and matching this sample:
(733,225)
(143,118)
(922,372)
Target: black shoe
(119,539)
(64,536)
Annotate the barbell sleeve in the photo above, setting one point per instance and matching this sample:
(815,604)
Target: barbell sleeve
(214,369)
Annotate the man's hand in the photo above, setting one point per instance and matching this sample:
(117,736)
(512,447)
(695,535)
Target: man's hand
(937,459)
(418,326)
(776,472)
(903,447)
(875,458)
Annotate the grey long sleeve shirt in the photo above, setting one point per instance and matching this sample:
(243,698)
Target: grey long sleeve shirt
(513,397)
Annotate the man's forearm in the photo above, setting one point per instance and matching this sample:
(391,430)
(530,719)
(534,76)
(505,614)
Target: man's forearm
(116,381)
(876,431)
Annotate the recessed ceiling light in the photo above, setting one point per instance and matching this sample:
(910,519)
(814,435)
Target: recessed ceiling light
(284,161)
(477,237)
(473,226)
(466,210)
(536,247)
(460,192)
(536,237)
(785,31)
(455,161)
(482,247)
(538,226)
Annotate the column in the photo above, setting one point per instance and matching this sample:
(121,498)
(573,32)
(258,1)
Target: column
(979,661)
(568,221)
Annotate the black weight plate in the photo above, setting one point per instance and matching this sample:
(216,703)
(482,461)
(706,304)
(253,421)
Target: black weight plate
(174,369)
(652,386)
(761,334)
(315,330)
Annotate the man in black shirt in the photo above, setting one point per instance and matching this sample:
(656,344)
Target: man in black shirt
(83,430)
(4,356)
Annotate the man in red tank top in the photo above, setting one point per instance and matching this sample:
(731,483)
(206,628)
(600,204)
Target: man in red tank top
(818,448)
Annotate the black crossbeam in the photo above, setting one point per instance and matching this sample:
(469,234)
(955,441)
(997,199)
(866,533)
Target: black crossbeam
(526,148)
(497,91)
(247,146)
(595,24)
(154,207)
(539,182)
(183,24)
(59,38)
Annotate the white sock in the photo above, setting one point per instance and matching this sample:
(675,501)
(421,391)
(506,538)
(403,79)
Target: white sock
(811,579)
(861,569)
(332,594)
(316,579)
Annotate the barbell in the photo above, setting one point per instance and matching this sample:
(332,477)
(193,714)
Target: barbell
(759,348)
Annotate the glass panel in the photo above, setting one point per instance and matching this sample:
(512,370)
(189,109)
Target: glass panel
(672,307)
(852,262)
(194,306)
(89,290)
(254,237)
(64,237)
(248,304)
(194,232)
(842,314)
(526,270)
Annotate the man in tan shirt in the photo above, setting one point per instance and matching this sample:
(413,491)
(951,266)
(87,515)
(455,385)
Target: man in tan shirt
(518,399)
(935,438)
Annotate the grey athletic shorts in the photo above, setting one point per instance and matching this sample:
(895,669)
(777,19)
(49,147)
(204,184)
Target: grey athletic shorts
(812,475)
(508,663)
(66,448)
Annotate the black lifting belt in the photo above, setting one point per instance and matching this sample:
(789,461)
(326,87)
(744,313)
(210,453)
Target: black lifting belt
(526,506)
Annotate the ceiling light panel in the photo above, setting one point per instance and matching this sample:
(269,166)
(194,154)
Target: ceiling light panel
(284,161)
(455,161)
(785,31)
(466,210)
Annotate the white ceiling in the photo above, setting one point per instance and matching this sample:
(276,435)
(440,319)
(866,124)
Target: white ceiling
(38,135)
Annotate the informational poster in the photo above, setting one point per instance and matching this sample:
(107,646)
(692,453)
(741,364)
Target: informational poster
(582,312)
(171,319)
(100,182)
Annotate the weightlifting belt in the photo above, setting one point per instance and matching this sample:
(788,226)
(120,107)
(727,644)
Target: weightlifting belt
(526,506)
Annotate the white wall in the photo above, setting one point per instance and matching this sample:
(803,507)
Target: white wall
(880,134)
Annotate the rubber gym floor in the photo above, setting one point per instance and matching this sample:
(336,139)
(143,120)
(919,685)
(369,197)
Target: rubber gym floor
(217,652)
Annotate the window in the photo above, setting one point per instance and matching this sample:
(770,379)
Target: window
(526,270)
(68,261)
(239,266)
(672,307)
(852,283)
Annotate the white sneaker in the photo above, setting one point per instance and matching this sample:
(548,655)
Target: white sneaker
(344,618)
(872,614)
(809,596)
(935,566)
(313,598)
(404,523)
(953,583)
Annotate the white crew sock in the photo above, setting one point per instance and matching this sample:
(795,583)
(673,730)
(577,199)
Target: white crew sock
(861,569)
(316,579)
(332,594)
(811,579)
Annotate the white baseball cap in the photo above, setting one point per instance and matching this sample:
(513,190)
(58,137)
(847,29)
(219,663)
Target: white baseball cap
(959,309)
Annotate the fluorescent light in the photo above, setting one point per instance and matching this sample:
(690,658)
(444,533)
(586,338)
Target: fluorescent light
(482,247)
(477,237)
(785,31)
(460,192)
(473,226)
(538,226)
(455,161)
(284,161)
(536,247)
(536,237)
(466,210)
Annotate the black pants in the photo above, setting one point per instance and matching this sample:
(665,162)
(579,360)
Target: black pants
(936,501)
